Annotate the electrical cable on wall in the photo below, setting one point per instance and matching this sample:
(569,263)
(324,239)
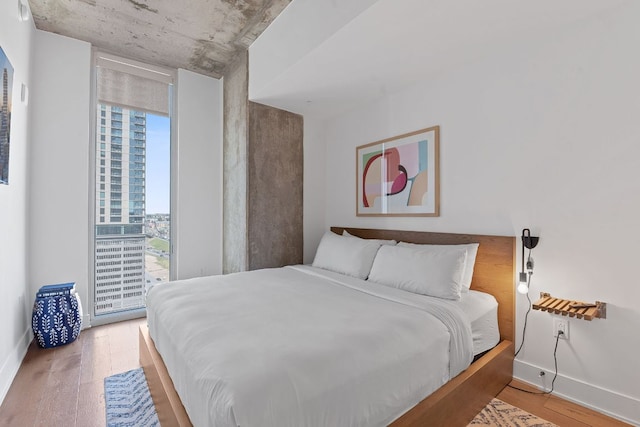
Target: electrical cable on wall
(555,375)
(526,316)
(530,242)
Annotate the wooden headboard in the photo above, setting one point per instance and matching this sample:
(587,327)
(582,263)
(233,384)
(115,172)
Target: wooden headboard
(494,271)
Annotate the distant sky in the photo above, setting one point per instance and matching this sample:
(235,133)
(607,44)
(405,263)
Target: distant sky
(158,183)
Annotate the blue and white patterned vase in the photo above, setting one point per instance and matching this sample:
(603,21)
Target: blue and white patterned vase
(56,320)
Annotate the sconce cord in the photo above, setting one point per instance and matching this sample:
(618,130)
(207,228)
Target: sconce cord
(555,375)
(524,331)
(526,316)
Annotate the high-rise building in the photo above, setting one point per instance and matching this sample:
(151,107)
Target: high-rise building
(120,209)
(4,128)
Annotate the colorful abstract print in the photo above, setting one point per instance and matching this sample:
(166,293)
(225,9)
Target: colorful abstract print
(397,174)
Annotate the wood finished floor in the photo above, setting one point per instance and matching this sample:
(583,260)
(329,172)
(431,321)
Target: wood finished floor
(554,409)
(64,386)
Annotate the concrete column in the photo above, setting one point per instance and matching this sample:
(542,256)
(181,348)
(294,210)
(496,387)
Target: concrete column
(263,180)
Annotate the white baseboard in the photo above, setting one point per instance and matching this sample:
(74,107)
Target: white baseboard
(86,321)
(616,405)
(12,363)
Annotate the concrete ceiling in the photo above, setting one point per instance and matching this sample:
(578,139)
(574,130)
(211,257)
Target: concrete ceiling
(202,36)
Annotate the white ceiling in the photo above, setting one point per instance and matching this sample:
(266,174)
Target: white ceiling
(393,43)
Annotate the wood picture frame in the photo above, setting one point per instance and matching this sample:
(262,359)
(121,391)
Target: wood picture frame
(399,176)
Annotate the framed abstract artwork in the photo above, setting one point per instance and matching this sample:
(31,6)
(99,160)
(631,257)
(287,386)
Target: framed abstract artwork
(399,176)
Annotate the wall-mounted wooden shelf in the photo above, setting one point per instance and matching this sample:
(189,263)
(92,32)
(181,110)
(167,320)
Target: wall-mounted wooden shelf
(571,308)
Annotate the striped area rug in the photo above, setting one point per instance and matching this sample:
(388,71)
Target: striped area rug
(500,414)
(128,402)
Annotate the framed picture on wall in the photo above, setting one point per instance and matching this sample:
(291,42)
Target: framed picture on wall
(399,176)
(6,80)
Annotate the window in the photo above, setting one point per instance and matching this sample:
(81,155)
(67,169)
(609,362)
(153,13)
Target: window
(133,218)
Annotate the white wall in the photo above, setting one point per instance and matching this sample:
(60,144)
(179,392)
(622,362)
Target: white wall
(293,41)
(199,192)
(314,187)
(59,192)
(16,40)
(544,135)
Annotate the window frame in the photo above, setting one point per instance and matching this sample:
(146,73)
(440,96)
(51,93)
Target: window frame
(168,76)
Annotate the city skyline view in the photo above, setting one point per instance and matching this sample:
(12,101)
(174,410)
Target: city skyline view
(132,206)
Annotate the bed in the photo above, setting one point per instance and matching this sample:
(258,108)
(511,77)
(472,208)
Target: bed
(337,365)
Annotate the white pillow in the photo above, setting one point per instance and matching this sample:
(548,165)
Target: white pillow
(345,233)
(472,251)
(346,255)
(436,272)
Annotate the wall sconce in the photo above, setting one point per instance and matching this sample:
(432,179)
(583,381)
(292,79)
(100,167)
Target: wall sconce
(24,94)
(23,11)
(528,242)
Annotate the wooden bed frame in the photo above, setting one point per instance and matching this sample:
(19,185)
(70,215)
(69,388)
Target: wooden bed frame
(453,404)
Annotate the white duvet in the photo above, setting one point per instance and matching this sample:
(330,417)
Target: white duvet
(299,346)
